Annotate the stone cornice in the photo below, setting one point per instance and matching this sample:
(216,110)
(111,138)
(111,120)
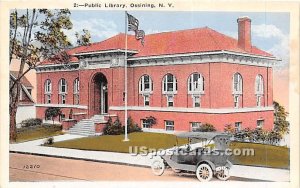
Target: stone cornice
(203,57)
(194,110)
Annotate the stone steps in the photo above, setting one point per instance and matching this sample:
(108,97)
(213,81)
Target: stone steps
(86,127)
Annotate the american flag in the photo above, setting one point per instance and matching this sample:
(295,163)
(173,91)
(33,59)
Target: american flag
(133,25)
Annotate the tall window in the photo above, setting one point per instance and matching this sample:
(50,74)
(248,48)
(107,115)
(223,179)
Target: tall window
(170,100)
(196,83)
(48,91)
(236,101)
(259,85)
(259,90)
(196,101)
(48,86)
(145,84)
(62,90)
(169,84)
(76,91)
(237,84)
(146,100)
(62,86)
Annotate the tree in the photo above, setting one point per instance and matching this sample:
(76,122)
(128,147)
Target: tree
(52,112)
(83,39)
(150,120)
(35,35)
(281,125)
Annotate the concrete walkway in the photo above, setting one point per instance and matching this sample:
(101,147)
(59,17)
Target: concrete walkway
(34,147)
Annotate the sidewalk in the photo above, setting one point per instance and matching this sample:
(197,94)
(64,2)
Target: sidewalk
(33,147)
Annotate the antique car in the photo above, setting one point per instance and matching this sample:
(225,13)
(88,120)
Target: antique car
(204,154)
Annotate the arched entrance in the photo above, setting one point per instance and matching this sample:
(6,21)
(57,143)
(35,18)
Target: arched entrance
(99,95)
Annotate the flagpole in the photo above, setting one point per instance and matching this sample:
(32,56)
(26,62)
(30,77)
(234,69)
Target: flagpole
(125,80)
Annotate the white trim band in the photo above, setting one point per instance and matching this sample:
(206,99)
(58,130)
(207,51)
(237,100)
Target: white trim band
(62,106)
(194,110)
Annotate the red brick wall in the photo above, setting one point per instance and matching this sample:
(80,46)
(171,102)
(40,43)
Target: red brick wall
(182,120)
(217,93)
(218,84)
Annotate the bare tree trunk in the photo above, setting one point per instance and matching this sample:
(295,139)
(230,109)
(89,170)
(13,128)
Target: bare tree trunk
(12,125)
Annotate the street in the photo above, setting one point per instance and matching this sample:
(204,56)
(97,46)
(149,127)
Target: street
(39,168)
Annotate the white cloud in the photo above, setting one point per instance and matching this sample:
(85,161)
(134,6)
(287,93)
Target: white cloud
(281,48)
(99,29)
(267,31)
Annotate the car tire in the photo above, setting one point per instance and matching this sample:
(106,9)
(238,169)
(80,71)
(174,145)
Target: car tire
(204,172)
(223,174)
(158,167)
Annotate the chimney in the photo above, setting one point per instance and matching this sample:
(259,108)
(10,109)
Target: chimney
(244,35)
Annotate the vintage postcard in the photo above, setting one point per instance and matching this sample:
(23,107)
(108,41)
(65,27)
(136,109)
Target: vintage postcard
(127,93)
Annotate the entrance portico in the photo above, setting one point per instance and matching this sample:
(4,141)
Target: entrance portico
(99,95)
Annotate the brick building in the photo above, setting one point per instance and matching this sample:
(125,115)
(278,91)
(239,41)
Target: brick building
(182,78)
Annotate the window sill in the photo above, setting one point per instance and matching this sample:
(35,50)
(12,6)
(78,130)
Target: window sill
(169,92)
(146,92)
(196,92)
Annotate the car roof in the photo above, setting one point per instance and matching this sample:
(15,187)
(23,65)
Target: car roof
(204,135)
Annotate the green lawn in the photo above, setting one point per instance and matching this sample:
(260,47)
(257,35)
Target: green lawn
(265,155)
(115,143)
(27,134)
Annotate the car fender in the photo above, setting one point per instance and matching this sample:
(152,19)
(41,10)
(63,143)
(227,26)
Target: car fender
(212,165)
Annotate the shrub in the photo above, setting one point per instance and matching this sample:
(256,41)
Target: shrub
(131,126)
(114,128)
(49,141)
(206,127)
(258,135)
(151,121)
(31,122)
(229,129)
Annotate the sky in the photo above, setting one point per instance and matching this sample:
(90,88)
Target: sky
(270,31)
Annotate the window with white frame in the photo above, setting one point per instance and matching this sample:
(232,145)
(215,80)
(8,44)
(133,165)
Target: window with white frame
(196,83)
(76,91)
(259,85)
(197,101)
(63,99)
(47,98)
(260,123)
(236,99)
(62,86)
(238,126)
(258,100)
(169,84)
(48,86)
(62,90)
(48,91)
(145,84)
(145,124)
(146,100)
(237,84)
(195,125)
(169,125)
(170,100)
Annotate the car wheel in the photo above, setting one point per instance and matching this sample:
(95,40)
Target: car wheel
(223,174)
(204,172)
(158,167)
